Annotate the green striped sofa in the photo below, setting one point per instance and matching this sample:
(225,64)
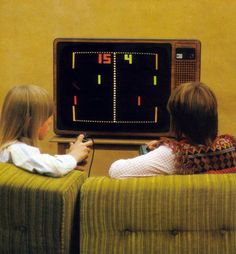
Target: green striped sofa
(165,214)
(38,214)
(194,214)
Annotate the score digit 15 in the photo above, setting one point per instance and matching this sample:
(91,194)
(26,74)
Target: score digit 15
(104,58)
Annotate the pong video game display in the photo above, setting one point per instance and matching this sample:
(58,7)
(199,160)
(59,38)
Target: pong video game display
(119,88)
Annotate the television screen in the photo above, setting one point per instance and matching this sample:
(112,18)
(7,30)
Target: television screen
(114,87)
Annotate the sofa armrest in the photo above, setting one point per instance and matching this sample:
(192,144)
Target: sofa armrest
(38,212)
(163,214)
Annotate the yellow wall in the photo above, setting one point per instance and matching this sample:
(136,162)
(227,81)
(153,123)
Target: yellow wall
(28,28)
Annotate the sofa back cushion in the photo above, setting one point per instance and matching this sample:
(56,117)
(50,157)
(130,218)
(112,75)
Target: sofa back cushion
(163,214)
(37,213)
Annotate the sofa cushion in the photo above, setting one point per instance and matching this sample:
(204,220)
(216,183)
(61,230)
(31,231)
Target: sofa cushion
(164,214)
(37,212)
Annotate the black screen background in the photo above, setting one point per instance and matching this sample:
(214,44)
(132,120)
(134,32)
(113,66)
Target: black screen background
(95,103)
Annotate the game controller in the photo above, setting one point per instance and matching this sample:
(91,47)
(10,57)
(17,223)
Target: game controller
(143,149)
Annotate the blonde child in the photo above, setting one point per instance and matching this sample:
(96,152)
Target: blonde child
(26,118)
(196,147)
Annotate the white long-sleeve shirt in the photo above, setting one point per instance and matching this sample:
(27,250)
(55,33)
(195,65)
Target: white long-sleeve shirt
(29,158)
(156,162)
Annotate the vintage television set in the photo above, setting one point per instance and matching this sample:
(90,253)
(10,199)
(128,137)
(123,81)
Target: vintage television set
(119,87)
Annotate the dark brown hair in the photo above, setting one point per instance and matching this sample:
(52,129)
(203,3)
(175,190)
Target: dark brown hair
(193,110)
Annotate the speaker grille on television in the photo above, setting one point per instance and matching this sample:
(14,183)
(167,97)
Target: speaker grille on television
(185,71)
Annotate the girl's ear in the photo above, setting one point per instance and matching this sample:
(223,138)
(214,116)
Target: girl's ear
(43,130)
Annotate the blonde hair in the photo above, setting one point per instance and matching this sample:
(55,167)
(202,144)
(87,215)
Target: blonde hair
(193,109)
(25,109)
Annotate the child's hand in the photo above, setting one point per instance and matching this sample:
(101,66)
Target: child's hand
(80,168)
(79,149)
(152,145)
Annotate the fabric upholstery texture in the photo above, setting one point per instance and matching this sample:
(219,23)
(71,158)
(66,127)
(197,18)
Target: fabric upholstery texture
(38,213)
(191,214)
